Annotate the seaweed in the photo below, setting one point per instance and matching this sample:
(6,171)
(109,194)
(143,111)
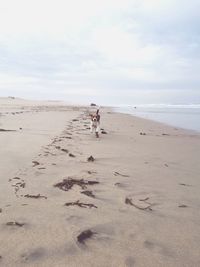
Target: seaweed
(15,224)
(129,202)
(88,193)
(5,130)
(92,182)
(67,184)
(84,236)
(72,155)
(123,175)
(185,184)
(80,204)
(35,196)
(35,163)
(90,159)
(64,150)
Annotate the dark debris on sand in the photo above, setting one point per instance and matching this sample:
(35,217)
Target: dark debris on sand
(35,163)
(68,183)
(88,193)
(15,224)
(129,202)
(35,196)
(5,130)
(183,206)
(123,175)
(64,150)
(72,155)
(84,236)
(80,204)
(90,159)
(91,172)
(185,184)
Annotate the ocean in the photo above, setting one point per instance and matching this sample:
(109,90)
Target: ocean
(182,116)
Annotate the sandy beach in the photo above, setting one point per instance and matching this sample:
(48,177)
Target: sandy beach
(136,203)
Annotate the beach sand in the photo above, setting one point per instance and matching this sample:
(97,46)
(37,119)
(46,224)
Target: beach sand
(136,204)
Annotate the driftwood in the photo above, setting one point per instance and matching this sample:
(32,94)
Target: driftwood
(84,236)
(67,184)
(15,224)
(88,193)
(35,196)
(80,204)
(129,202)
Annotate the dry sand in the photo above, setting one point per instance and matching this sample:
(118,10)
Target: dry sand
(143,212)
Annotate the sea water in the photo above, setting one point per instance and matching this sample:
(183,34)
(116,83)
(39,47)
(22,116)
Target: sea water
(182,116)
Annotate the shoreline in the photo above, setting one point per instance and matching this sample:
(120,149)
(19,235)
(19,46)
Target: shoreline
(147,114)
(196,132)
(134,205)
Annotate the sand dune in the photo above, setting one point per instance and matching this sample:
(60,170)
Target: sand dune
(136,204)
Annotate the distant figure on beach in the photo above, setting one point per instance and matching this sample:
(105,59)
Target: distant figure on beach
(95,123)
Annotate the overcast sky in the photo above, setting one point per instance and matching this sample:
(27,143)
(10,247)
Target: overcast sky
(108,51)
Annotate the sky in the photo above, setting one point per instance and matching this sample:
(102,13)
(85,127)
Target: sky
(111,52)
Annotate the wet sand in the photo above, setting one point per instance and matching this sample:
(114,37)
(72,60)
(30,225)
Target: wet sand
(136,203)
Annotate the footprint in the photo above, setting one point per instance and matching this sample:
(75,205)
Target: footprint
(161,248)
(34,255)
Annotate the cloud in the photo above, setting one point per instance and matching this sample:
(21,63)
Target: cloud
(60,49)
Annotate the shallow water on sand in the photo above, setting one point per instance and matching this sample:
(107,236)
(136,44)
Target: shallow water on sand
(183,116)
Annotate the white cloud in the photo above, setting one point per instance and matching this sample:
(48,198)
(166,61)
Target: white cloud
(95,46)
